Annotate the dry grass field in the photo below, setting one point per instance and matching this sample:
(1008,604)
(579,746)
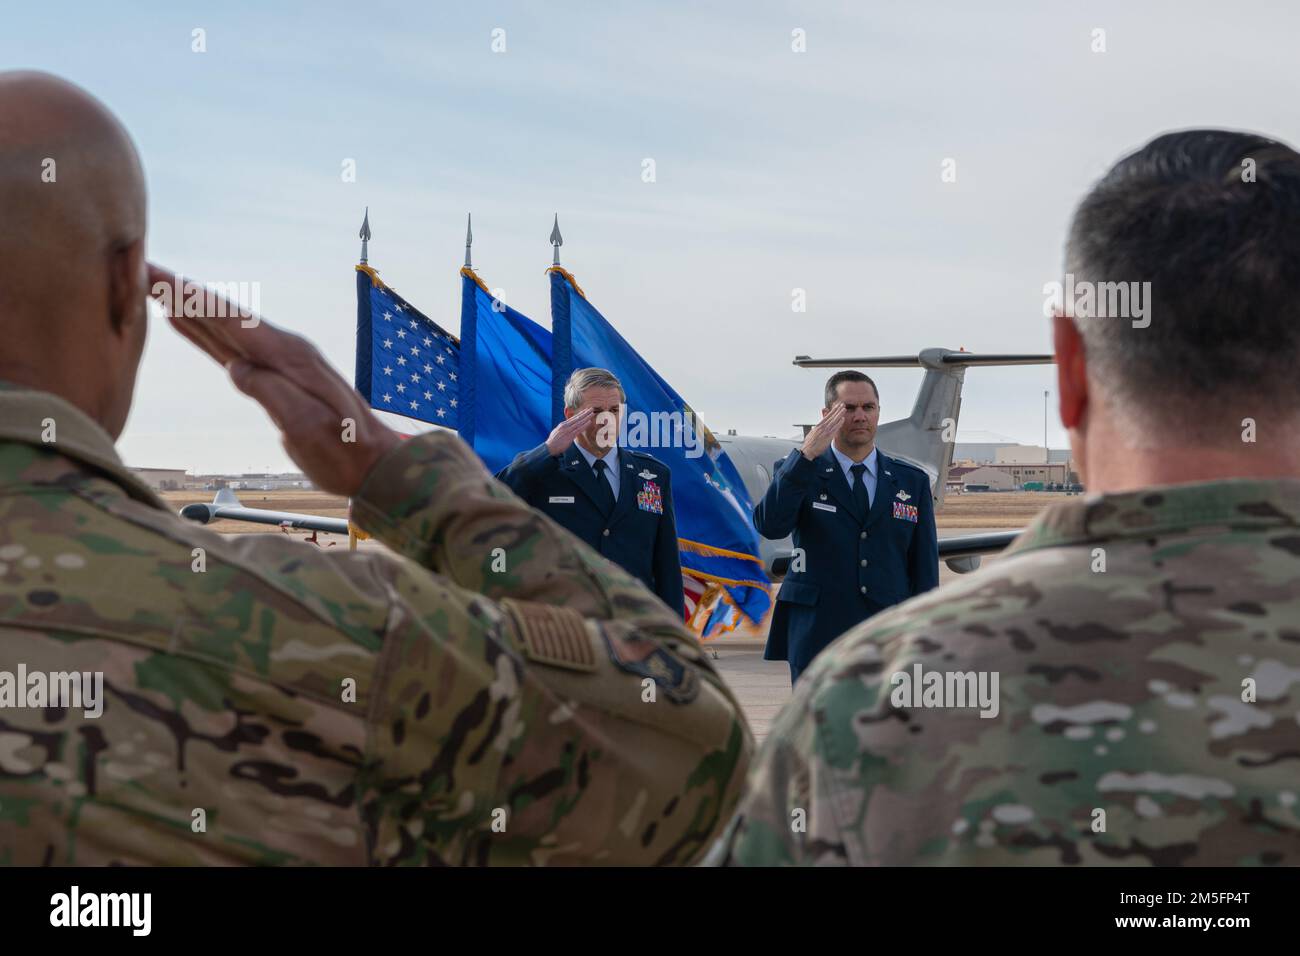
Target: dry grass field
(994,510)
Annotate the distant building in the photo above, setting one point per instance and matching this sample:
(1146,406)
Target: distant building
(979,447)
(1020,474)
(981,453)
(247,481)
(984,478)
(1007,477)
(1020,455)
(257,482)
(987,448)
(1030,455)
(957,476)
(162,479)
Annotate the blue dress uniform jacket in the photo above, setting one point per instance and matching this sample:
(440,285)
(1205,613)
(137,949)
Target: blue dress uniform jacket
(640,535)
(853,565)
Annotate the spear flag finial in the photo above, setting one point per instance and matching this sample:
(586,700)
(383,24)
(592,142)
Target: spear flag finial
(556,240)
(469,239)
(365,237)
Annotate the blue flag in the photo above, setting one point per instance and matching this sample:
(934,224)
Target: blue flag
(506,395)
(716,534)
(501,385)
(723,616)
(406,363)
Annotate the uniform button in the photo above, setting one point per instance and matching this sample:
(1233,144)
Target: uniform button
(863,562)
(605,532)
(863,590)
(863,536)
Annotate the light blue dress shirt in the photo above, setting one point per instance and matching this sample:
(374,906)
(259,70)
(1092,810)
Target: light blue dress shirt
(868,476)
(611,466)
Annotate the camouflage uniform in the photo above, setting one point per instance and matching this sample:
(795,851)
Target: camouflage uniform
(500,717)
(1120,690)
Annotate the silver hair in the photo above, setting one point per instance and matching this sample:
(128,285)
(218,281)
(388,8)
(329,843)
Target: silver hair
(585,378)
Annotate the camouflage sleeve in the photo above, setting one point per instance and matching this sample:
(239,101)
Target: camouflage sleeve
(787,814)
(432,501)
(810,784)
(534,703)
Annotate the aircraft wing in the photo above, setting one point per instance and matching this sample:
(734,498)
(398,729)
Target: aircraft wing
(226,505)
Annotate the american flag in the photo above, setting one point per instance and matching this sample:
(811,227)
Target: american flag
(693,590)
(414,362)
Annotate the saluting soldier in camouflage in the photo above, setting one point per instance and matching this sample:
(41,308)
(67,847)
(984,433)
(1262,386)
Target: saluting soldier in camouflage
(493,692)
(1123,686)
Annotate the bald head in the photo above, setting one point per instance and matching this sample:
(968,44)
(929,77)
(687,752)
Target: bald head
(73,278)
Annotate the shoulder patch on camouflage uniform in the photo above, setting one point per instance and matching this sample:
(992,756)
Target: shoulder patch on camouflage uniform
(552,635)
(644,658)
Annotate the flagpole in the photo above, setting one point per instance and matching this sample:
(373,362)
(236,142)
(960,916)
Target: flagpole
(365,281)
(468,342)
(361,379)
(561,328)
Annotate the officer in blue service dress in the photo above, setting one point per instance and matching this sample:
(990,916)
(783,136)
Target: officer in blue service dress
(862,522)
(617,500)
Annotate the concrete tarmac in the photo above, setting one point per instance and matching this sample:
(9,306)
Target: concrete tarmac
(762,687)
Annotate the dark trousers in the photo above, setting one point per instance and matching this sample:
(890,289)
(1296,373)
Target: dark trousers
(872,609)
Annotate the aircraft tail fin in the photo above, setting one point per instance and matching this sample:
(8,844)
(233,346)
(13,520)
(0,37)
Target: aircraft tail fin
(927,437)
(227,498)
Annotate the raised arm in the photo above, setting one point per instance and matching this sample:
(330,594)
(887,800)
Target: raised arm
(526,472)
(777,513)
(531,702)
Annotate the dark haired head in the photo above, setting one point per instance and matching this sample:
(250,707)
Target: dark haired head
(848,375)
(1211,219)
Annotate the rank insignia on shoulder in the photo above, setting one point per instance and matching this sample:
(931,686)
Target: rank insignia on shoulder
(903,496)
(645,658)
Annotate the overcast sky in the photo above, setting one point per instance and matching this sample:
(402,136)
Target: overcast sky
(775,170)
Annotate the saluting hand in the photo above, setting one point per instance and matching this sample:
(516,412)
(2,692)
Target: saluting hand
(820,435)
(563,434)
(284,373)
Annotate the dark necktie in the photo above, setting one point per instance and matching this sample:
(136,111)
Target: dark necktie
(860,497)
(604,490)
